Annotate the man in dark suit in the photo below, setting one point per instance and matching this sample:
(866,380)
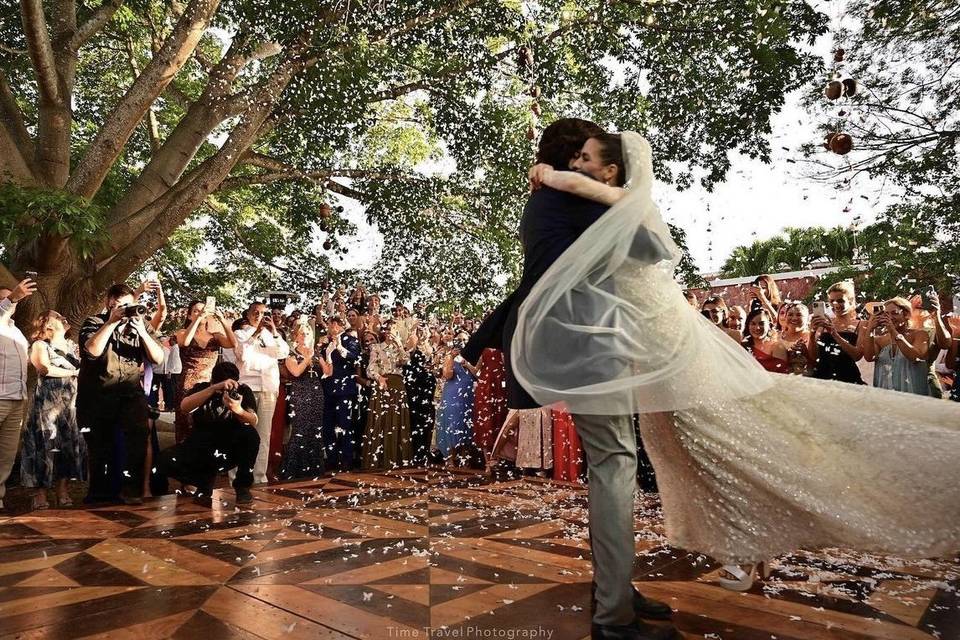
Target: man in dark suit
(339,396)
(552,221)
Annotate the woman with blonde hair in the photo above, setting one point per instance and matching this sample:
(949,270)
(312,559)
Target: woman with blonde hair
(899,351)
(765,293)
(835,346)
(53,450)
(795,337)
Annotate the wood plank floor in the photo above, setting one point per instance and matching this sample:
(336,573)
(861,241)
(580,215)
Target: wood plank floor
(417,554)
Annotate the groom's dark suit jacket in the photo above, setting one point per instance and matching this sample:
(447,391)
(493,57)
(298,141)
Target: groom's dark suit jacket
(552,221)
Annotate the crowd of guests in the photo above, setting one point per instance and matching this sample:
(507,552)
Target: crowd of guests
(907,340)
(277,394)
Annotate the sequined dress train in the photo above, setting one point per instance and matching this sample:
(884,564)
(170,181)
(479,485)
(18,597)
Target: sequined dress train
(807,463)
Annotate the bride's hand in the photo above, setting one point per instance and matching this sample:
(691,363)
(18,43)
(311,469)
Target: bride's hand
(539,174)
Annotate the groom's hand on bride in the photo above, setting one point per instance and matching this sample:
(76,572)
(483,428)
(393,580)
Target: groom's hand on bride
(538,175)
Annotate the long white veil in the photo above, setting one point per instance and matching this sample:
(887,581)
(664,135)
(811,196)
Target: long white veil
(607,330)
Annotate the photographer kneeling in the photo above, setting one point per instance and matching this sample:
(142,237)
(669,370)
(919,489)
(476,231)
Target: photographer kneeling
(224,436)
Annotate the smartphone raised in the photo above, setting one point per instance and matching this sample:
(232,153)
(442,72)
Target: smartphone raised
(820,308)
(210,304)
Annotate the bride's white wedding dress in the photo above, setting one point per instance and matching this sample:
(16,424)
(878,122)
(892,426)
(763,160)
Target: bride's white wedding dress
(749,464)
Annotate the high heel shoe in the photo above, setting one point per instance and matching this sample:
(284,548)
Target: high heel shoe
(744,581)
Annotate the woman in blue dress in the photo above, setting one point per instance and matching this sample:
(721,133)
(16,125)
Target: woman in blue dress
(455,415)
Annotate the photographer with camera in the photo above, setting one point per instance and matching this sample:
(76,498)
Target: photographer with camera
(114,346)
(259,349)
(224,436)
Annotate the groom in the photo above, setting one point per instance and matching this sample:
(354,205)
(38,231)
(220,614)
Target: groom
(552,221)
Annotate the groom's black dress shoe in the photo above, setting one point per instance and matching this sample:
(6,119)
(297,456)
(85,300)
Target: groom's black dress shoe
(643,607)
(636,631)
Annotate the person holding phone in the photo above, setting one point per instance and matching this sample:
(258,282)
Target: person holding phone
(53,452)
(833,342)
(455,413)
(765,294)
(259,348)
(387,439)
(340,396)
(900,352)
(13,377)
(795,336)
(203,334)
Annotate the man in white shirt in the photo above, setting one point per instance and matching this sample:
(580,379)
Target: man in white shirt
(259,348)
(13,378)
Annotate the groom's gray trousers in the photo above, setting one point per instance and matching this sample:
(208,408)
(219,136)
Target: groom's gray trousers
(610,445)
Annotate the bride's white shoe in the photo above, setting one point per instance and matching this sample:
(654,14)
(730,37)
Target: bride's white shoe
(744,581)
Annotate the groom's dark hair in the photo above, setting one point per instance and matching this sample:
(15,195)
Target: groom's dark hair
(563,139)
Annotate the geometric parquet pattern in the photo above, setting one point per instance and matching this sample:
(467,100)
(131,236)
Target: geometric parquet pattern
(417,554)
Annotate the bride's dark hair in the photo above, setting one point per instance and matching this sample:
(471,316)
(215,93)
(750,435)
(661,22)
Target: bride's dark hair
(563,139)
(611,146)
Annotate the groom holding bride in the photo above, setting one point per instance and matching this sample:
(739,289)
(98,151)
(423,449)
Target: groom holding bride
(552,221)
(750,465)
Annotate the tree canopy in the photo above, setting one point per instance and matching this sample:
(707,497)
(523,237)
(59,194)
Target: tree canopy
(219,132)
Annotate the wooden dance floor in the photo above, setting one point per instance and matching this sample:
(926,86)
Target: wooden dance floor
(416,554)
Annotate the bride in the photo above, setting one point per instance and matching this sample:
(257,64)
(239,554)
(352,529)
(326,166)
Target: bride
(750,465)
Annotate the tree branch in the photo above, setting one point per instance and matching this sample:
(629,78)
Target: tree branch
(11,119)
(407,26)
(119,125)
(322,176)
(168,163)
(95,23)
(179,203)
(41,50)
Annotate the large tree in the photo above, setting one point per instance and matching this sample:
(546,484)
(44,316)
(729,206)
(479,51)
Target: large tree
(905,124)
(230,125)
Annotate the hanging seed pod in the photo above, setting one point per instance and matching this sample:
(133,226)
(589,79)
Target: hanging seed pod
(325,210)
(838,55)
(828,139)
(535,91)
(531,133)
(525,57)
(327,245)
(841,113)
(849,87)
(535,108)
(841,144)
(833,90)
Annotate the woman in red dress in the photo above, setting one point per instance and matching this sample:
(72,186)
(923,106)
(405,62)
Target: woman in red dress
(567,452)
(490,399)
(764,343)
(200,341)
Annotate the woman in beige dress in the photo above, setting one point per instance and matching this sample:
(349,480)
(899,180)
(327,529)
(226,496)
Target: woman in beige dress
(386,440)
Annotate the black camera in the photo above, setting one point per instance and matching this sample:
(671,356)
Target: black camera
(134,310)
(234,394)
